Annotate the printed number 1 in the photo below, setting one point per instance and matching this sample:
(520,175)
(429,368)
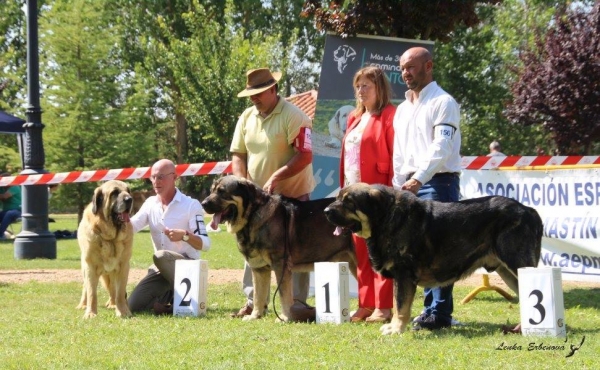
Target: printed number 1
(327,308)
(186,301)
(538,306)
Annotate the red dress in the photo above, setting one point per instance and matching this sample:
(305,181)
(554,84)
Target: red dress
(375,160)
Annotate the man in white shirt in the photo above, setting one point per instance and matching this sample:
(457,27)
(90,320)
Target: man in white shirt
(426,157)
(177,231)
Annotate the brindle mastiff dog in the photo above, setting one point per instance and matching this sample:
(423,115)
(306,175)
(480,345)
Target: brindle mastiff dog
(278,234)
(105,238)
(429,243)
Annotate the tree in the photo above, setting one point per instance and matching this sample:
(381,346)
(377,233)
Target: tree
(558,85)
(93,104)
(209,67)
(413,19)
(196,53)
(195,58)
(474,66)
(13,58)
(149,29)
(300,44)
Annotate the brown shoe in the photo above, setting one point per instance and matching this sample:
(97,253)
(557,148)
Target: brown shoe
(380,316)
(302,312)
(361,314)
(244,311)
(162,309)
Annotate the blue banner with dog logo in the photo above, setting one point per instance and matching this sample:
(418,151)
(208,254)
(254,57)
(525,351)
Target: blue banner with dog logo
(341,59)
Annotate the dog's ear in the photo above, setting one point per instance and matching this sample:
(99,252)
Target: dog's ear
(375,193)
(337,115)
(372,200)
(130,208)
(216,181)
(97,200)
(253,193)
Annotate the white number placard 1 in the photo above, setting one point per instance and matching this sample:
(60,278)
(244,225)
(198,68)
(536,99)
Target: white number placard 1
(541,302)
(331,292)
(191,285)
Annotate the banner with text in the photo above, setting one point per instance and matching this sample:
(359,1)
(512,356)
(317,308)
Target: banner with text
(568,201)
(341,59)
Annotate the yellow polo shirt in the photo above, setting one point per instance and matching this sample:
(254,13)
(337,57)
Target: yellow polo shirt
(268,144)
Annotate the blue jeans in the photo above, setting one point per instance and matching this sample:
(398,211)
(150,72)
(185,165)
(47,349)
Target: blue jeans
(8,217)
(438,301)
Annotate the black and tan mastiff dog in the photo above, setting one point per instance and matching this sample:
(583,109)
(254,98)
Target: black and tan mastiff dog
(276,233)
(429,243)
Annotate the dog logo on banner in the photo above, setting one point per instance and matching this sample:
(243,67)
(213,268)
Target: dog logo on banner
(343,55)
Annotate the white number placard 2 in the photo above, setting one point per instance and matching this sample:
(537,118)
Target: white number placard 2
(541,301)
(331,292)
(191,285)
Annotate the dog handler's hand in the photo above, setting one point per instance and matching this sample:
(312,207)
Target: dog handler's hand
(174,235)
(412,185)
(270,186)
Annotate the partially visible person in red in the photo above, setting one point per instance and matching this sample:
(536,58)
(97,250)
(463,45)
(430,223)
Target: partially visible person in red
(367,157)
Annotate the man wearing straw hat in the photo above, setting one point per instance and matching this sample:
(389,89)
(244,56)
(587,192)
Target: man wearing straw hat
(271,147)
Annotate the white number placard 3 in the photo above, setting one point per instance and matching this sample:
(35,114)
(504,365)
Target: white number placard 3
(332,292)
(541,301)
(191,285)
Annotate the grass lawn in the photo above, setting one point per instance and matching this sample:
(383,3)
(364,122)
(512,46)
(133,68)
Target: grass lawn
(41,329)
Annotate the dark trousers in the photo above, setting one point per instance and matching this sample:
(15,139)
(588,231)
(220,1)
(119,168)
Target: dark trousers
(438,301)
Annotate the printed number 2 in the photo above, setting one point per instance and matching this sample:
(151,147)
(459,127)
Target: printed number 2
(327,309)
(538,306)
(186,301)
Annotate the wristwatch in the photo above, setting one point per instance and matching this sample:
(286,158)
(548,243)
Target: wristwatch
(186,237)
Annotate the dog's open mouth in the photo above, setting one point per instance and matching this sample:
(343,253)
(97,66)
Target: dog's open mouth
(341,223)
(228,214)
(123,216)
(339,230)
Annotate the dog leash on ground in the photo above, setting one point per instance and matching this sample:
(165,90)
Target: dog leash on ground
(284,265)
(286,248)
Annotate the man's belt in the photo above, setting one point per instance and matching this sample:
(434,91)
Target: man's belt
(439,174)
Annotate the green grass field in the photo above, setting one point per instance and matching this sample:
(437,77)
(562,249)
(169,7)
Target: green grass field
(41,329)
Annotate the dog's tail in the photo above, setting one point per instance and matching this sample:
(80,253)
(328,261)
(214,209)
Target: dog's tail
(538,230)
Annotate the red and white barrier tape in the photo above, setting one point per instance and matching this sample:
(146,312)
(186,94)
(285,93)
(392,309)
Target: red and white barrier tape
(487,163)
(209,168)
(215,168)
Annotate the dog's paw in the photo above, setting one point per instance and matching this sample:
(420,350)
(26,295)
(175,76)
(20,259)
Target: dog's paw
(89,315)
(391,328)
(81,306)
(282,318)
(125,314)
(251,317)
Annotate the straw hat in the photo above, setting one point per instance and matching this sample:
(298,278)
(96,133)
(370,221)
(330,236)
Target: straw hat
(259,80)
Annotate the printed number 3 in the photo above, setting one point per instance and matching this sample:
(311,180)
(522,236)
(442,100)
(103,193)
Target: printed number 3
(538,306)
(186,301)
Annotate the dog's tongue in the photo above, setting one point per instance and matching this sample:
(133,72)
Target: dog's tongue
(338,231)
(124,216)
(214,224)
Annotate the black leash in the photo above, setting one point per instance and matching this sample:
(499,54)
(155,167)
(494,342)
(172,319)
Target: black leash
(284,264)
(286,249)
